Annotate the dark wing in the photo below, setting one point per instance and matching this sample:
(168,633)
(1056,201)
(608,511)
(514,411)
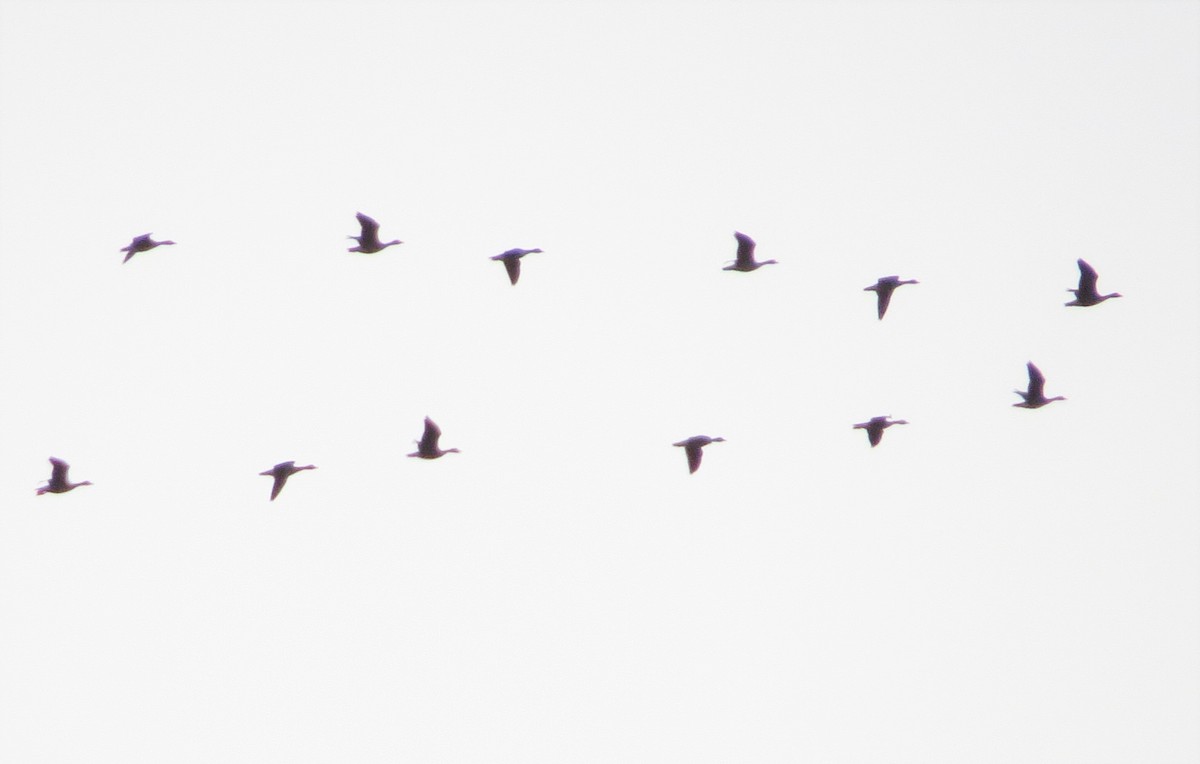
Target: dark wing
(370,229)
(745,250)
(874,434)
(280,480)
(1087,279)
(1037,382)
(513,266)
(429,440)
(58,473)
(694,453)
(883,292)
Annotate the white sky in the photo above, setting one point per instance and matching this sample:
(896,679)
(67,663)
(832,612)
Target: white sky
(989,585)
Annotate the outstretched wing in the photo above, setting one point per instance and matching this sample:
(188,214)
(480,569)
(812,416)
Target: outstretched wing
(874,433)
(429,439)
(1087,278)
(745,253)
(370,229)
(513,266)
(695,452)
(58,473)
(280,480)
(883,294)
(1037,382)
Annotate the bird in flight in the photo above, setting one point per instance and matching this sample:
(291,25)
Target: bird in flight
(1035,397)
(1086,295)
(745,255)
(692,447)
(141,243)
(427,446)
(512,262)
(368,242)
(883,289)
(59,482)
(281,472)
(876,426)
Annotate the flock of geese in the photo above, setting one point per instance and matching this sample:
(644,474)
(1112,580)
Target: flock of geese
(1033,397)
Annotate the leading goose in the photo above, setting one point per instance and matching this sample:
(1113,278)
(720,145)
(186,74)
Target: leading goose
(692,447)
(745,255)
(59,482)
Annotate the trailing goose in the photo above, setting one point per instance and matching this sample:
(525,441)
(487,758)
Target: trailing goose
(876,426)
(142,243)
(692,447)
(59,482)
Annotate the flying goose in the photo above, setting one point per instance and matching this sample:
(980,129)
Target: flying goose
(876,426)
(368,242)
(692,447)
(427,446)
(1035,398)
(883,289)
(141,243)
(512,262)
(58,482)
(1086,294)
(281,472)
(745,255)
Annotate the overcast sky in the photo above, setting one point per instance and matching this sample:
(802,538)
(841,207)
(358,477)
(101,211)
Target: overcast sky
(990,584)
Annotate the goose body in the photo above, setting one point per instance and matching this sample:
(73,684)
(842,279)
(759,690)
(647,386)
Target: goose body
(1035,396)
(368,240)
(1087,295)
(876,426)
(141,243)
(281,472)
(745,255)
(59,482)
(427,446)
(883,289)
(512,262)
(692,447)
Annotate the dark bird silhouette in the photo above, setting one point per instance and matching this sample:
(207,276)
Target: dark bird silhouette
(142,243)
(692,447)
(1035,397)
(368,242)
(427,446)
(745,255)
(1086,294)
(876,426)
(58,482)
(883,289)
(281,472)
(512,262)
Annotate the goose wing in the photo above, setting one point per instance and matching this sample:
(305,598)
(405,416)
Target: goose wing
(513,266)
(1087,278)
(280,481)
(58,472)
(745,250)
(695,452)
(1037,382)
(429,439)
(370,229)
(883,294)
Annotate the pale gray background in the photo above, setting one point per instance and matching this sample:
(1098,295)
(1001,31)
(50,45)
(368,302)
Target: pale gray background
(989,585)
